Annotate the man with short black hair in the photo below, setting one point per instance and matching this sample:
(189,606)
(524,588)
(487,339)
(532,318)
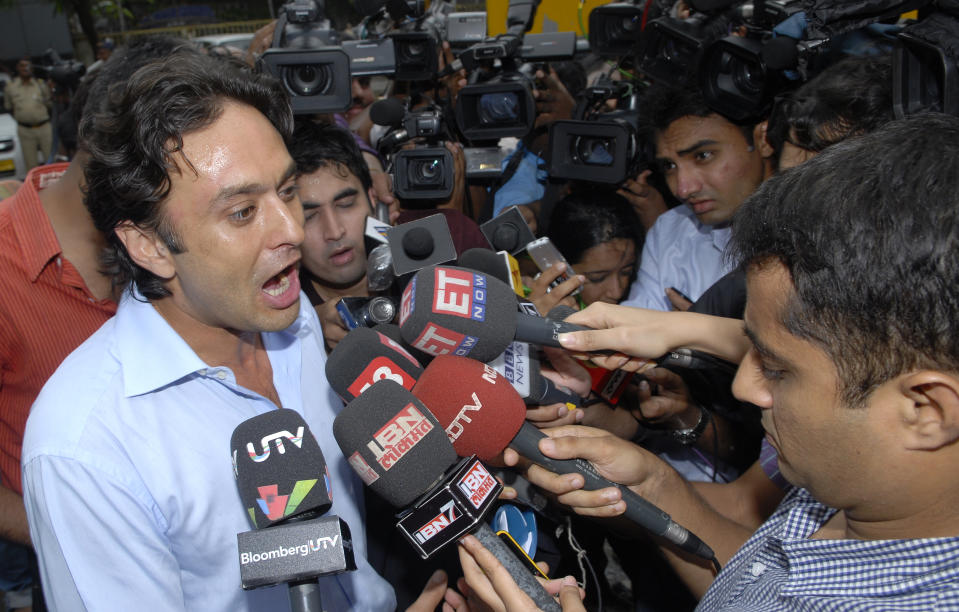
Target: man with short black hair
(127,476)
(712,165)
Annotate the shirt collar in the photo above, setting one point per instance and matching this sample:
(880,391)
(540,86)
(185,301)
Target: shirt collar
(152,355)
(31,225)
(858,568)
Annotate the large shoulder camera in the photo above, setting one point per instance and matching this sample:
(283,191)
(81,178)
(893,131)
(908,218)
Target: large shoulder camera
(305,58)
(424,172)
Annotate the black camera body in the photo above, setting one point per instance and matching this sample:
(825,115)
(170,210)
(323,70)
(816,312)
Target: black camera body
(305,58)
(425,172)
(614,29)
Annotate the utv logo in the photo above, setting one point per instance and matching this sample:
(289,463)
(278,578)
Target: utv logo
(276,506)
(437,524)
(301,550)
(278,438)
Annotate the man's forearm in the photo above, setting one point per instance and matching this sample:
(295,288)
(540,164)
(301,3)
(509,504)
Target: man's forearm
(13,517)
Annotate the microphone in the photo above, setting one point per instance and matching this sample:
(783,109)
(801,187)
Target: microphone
(483,415)
(418,244)
(285,486)
(387,112)
(392,331)
(365,356)
(521,368)
(400,451)
(449,310)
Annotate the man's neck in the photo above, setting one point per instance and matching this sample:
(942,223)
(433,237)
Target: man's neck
(936,519)
(331,293)
(80,241)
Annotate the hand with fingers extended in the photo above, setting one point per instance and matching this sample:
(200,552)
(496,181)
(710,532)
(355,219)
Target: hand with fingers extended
(545,298)
(553,101)
(490,586)
(640,336)
(437,591)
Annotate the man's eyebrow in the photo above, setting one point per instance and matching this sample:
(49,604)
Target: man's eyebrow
(696,145)
(761,348)
(252,188)
(343,193)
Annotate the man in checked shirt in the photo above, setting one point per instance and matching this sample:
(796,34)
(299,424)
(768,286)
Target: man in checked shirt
(851,350)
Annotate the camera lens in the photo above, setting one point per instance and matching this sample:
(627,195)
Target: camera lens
(500,107)
(309,79)
(428,171)
(593,151)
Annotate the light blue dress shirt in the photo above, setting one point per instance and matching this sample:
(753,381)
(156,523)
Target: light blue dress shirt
(128,480)
(679,252)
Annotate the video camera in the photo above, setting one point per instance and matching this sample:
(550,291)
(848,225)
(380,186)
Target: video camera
(307,60)
(66,74)
(603,147)
(424,172)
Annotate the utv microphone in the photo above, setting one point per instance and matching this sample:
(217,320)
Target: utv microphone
(401,452)
(284,485)
(483,415)
(365,356)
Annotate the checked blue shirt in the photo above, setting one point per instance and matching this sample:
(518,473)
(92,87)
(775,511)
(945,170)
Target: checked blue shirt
(781,568)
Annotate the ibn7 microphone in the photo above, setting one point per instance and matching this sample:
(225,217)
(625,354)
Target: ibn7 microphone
(365,356)
(482,415)
(402,453)
(285,487)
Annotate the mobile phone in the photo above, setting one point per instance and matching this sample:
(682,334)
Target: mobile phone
(520,554)
(544,254)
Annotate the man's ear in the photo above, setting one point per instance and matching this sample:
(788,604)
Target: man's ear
(931,413)
(146,249)
(760,140)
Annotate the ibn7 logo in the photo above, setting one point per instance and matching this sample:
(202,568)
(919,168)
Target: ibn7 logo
(380,368)
(438,523)
(477,484)
(460,293)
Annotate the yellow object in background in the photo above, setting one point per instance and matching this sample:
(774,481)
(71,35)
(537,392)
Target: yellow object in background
(551,16)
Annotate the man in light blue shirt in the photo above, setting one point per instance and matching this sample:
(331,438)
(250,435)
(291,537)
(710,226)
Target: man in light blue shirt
(712,165)
(128,480)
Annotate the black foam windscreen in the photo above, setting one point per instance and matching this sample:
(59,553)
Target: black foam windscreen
(388,112)
(392,331)
(421,243)
(365,356)
(508,231)
(486,261)
(393,442)
(279,468)
(446,310)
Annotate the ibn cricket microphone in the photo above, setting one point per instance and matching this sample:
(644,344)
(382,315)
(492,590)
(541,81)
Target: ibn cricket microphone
(482,415)
(365,356)
(285,487)
(401,452)
(450,310)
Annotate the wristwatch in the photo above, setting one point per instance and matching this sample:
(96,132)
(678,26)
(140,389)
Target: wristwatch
(689,435)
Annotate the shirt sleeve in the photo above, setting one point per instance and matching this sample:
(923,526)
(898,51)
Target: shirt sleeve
(99,543)
(647,291)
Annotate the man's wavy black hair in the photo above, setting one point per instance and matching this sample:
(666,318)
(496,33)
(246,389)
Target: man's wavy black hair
(132,139)
(869,231)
